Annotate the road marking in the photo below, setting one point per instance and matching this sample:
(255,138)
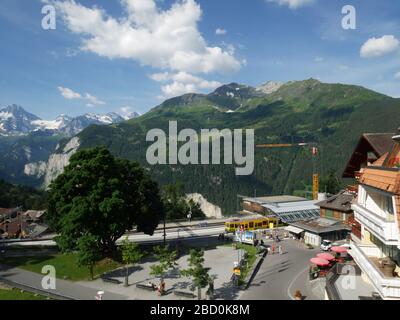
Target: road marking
(293,280)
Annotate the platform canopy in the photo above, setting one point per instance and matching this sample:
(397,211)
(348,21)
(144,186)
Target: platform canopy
(294,230)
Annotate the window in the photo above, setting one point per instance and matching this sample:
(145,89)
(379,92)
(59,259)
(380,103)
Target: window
(388,205)
(329,213)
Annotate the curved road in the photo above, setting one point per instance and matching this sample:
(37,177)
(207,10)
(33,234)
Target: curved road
(281,275)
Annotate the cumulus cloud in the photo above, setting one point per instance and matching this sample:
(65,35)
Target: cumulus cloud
(69,94)
(220,32)
(292,4)
(376,47)
(90,100)
(182,82)
(164,39)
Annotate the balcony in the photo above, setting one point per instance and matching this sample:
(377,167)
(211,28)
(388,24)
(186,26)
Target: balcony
(367,258)
(382,228)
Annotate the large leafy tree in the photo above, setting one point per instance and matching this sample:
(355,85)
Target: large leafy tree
(103,196)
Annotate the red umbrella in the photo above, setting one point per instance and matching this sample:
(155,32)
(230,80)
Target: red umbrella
(326,256)
(320,262)
(339,249)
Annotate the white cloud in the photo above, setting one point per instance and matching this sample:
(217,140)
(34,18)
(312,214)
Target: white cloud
(91,100)
(319,59)
(160,77)
(220,32)
(376,47)
(183,82)
(164,39)
(69,94)
(397,76)
(292,4)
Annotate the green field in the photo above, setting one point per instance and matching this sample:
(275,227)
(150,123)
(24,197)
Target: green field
(66,266)
(15,294)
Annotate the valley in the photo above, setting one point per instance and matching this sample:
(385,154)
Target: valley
(334,115)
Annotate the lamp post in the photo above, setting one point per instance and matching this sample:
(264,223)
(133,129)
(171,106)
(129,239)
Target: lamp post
(165,233)
(189,216)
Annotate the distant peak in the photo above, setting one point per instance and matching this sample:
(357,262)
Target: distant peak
(270,87)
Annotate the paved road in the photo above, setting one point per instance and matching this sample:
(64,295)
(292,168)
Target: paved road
(281,275)
(65,288)
(181,233)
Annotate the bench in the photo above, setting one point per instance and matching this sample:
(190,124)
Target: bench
(145,287)
(110,280)
(184,294)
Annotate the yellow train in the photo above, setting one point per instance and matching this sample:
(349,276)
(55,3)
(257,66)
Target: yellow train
(251,224)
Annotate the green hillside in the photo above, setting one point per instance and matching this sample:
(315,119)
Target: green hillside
(334,115)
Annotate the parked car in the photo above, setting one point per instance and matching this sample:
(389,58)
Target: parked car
(326,245)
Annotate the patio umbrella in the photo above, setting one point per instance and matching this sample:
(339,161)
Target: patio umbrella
(339,249)
(320,262)
(326,256)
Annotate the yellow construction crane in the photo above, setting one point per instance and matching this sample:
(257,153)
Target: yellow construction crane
(314,149)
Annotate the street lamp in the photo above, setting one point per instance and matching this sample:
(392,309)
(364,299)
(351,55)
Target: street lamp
(189,216)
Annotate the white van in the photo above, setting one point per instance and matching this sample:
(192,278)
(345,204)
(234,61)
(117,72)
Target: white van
(326,245)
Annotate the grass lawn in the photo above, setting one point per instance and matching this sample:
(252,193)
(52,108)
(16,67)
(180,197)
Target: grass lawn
(15,294)
(66,266)
(251,258)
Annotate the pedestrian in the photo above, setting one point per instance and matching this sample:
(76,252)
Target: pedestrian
(273,248)
(282,250)
(279,249)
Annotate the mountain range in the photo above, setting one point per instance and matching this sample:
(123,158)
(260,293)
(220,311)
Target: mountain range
(16,121)
(333,115)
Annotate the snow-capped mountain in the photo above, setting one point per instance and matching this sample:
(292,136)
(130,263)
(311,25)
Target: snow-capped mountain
(15,121)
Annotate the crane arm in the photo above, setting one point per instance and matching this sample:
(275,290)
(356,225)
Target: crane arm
(283,145)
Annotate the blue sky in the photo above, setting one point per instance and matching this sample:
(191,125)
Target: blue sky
(108,55)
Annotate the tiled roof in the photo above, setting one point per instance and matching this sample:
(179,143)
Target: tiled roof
(384,179)
(381,160)
(340,202)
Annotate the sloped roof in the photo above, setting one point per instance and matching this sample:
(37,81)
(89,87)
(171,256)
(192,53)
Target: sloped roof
(339,202)
(382,178)
(376,143)
(380,142)
(320,225)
